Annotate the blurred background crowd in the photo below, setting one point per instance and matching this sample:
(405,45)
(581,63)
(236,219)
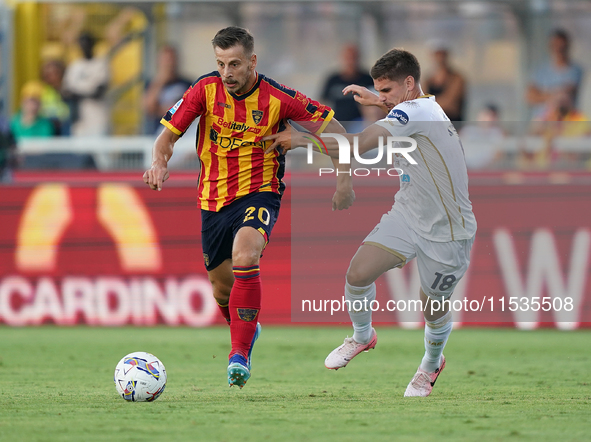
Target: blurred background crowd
(84,85)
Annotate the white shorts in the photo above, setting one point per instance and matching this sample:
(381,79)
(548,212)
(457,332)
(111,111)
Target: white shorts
(441,264)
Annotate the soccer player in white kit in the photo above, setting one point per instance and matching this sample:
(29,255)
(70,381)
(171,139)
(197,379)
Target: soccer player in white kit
(431,218)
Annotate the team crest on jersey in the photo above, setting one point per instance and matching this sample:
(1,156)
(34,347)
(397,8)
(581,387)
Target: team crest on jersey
(247,314)
(257,116)
(174,108)
(399,115)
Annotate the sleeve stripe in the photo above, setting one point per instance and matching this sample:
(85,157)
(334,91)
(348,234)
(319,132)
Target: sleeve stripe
(311,108)
(170,126)
(326,121)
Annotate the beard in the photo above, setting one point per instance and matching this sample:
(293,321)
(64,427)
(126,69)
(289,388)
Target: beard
(238,87)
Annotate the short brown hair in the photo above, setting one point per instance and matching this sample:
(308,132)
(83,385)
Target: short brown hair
(232,36)
(396,65)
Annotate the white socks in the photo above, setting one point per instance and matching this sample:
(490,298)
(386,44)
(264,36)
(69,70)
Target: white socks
(436,334)
(360,311)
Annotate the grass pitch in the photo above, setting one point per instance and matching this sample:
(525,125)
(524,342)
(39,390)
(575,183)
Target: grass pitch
(57,384)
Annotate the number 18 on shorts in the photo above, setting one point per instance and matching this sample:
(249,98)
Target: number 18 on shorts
(441,264)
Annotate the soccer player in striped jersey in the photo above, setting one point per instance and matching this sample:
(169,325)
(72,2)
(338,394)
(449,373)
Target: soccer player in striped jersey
(240,186)
(431,219)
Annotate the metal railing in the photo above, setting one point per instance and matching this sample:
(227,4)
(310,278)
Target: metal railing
(135,152)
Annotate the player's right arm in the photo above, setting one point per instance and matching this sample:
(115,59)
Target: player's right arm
(161,153)
(176,121)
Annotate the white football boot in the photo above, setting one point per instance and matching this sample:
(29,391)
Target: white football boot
(422,383)
(340,356)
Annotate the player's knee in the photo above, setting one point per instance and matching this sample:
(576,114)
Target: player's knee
(245,257)
(357,277)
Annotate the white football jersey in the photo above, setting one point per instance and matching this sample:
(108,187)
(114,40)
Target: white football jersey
(433,194)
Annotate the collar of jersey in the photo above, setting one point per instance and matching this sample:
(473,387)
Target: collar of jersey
(251,91)
(426,96)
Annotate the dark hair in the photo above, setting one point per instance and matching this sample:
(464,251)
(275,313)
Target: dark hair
(492,107)
(396,65)
(562,34)
(232,36)
(86,38)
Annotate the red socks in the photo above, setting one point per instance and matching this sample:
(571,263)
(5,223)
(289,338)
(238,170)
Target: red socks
(225,310)
(244,307)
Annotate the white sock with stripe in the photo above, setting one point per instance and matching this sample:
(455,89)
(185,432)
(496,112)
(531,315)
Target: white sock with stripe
(360,311)
(436,334)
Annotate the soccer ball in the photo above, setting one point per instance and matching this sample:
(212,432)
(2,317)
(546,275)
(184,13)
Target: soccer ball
(140,377)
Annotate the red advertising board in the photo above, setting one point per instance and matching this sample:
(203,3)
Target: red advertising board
(105,250)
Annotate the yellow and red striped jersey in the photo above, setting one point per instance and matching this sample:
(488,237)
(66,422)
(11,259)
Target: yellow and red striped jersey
(233,160)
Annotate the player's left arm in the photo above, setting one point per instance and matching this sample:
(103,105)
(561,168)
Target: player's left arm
(344,196)
(291,139)
(318,118)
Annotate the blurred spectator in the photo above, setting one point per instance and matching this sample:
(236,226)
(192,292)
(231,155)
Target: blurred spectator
(345,107)
(7,151)
(85,84)
(53,105)
(483,139)
(28,121)
(558,74)
(562,118)
(448,86)
(167,87)
(128,20)
(73,22)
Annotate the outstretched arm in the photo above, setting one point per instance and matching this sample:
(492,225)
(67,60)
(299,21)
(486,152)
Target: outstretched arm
(161,153)
(364,96)
(291,138)
(344,196)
